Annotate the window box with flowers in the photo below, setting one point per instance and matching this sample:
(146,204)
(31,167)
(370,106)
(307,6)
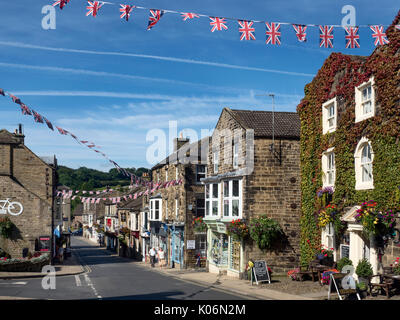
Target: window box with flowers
(199,225)
(238,230)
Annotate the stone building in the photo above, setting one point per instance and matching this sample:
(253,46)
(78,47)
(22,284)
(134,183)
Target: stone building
(254,170)
(173,208)
(27,196)
(350,155)
(77,220)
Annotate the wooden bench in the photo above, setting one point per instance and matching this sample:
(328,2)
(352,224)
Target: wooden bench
(385,284)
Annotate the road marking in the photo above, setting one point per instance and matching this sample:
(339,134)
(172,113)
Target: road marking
(78,280)
(15,283)
(90,284)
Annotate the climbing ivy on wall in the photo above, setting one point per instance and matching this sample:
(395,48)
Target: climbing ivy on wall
(338,77)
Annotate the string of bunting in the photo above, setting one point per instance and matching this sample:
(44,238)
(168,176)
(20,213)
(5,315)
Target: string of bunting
(38,118)
(246,28)
(152,187)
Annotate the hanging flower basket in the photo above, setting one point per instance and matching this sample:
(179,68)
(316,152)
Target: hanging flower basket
(376,222)
(265,231)
(327,215)
(199,225)
(238,230)
(6,227)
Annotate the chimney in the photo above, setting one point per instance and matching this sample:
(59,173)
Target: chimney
(19,134)
(180,142)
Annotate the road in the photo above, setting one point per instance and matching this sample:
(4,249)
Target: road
(110,277)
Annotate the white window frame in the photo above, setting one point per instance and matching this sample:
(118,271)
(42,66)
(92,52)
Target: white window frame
(326,128)
(153,209)
(230,198)
(209,198)
(359,110)
(176,208)
(325,167)
(358,165)
(202,174)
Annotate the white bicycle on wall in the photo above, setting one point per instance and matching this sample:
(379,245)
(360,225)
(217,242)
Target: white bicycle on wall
(13,208)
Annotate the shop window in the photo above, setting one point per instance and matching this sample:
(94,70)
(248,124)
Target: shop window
(234,256)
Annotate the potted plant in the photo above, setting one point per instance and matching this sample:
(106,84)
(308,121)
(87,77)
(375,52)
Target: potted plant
(325,255)
(364,271)
(238,230)
(362,289)
(344,262)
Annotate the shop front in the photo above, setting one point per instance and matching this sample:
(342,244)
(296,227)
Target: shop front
(224,254)
(177,245)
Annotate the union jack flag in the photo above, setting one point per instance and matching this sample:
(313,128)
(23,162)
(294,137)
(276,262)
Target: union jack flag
(218,24)
(189,15)
(326,36)
(246,30)
(62,131)
(126,11)
(398,27)
(352,37)
(2,92)
(300,32)
(273,33)
(155,16)
(25,110)
(93,8)
(15,99)
(379,35)
(38,117)
(61,3)
(48,123)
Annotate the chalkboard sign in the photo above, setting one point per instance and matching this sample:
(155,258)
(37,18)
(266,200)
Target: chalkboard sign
(260,272)
(343,284)
(344,251)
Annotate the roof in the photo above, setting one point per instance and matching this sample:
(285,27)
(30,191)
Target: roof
(172,158)
(135,204)
(286,124)
(7,137)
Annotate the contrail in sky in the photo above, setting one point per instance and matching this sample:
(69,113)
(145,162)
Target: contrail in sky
(145,56)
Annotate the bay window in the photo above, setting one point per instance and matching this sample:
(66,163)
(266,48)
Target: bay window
(232,199)
(212,200)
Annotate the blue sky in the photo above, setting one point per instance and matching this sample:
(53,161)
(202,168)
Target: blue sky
(111,81)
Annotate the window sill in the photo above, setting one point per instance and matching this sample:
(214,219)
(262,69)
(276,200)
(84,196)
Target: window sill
(364,117)
(366,186)
(229,219)
(331,130)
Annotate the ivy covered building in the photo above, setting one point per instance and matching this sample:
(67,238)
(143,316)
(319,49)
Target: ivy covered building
(350,156)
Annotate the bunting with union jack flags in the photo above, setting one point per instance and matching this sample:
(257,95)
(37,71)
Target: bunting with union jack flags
(352,37)
(155,16)
(61,3)
(2,92)
(273,33)
(398,27)
(326,36)
(218,24)
(93,8)
(379,35)
(37,116)
(48,124)
(25,110)
(62,131)
(189,15)
(126,11)
(301,32)
(246,30)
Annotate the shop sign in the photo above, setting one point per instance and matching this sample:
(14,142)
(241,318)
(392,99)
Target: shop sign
(260,272)
(44,243)
(221,227)
(13,208)
(191,244)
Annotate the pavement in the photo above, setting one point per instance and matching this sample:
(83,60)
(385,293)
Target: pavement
(71,266)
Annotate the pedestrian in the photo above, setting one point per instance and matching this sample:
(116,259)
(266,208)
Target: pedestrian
(152,253)
(161,257)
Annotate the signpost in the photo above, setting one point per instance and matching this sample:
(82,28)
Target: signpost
(260,272)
